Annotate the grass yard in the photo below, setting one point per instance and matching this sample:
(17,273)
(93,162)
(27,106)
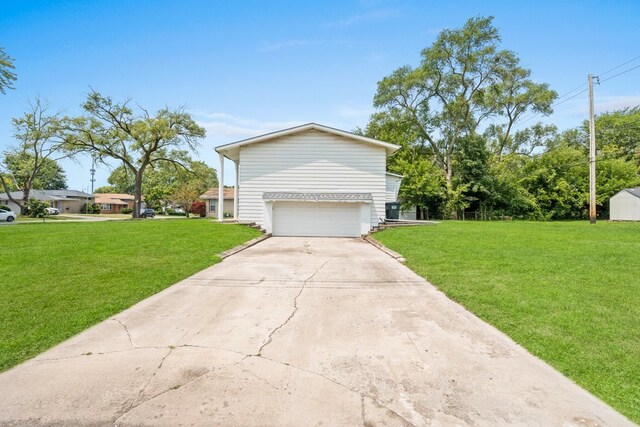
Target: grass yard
(22,218)
(58,279)
(569,292)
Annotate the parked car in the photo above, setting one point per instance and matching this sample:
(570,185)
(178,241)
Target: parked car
(147,213)
(8,216)
(53,211)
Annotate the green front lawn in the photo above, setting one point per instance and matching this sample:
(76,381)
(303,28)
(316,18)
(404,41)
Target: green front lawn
(58,279)
(569,292)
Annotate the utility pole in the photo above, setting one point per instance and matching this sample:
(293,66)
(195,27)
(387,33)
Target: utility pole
(93,172)
(592,155)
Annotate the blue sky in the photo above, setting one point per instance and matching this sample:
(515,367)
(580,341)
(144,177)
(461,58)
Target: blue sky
(247,67)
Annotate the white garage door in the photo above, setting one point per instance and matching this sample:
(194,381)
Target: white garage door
(320,219)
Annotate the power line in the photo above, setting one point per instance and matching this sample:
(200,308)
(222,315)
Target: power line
(561,101)
(618,66)
(619,74)
(526,119)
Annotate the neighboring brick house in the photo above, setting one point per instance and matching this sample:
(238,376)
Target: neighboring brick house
(113,202)
(211,198)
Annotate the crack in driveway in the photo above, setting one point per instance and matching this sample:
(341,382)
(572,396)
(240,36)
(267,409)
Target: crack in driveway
(126,330)
(293,313)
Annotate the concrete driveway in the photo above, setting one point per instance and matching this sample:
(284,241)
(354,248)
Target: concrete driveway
(296,331)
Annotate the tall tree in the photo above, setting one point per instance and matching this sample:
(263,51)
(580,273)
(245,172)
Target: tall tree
(20,164)
(463,81)
(7,76)
(39,147)
(161,180)
(112,130)
(122,180)
(187,186)
(422,183)
(106,189)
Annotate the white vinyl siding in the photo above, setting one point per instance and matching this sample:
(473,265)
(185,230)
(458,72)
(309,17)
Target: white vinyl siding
(624,206)
(310,161)
(393,187)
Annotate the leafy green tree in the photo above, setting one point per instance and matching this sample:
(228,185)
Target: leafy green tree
(106,189)
(188,185)
(122,180)
(20,164)
(161,180)
(559,182)
(618,133)
(185,195)
(472,169)
(7,76)
(112,130)
(32,163)
(423,184)
(612,175)
(463,80)
(511,197)
(525,141)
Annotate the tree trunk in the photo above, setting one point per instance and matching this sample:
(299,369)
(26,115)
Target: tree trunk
(449,180)
(8,193)
(25,200)
(137,195)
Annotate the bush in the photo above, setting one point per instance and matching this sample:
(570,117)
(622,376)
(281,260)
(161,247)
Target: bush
(199,208)
(126,210)
(5,207)
(93,208)
(37,208)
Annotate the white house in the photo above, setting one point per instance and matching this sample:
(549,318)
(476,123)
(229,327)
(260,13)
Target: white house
(310,180)
(625,205)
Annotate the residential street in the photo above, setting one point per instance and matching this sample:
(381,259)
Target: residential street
(296,331)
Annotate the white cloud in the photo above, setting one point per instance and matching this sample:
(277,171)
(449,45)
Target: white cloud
(222,126)
(276,46)
(376,57)
(610,103)
(602,104)
(354,112)
(376,15)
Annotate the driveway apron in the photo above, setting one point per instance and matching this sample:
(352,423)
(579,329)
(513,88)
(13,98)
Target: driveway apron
(296,331)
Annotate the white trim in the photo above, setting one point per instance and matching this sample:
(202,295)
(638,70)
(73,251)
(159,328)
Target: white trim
(391,148)
(235,194)
(394,174)
(220,206)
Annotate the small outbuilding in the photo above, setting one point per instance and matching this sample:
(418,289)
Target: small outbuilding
(625,205)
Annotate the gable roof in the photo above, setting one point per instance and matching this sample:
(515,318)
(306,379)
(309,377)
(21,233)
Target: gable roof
(230,151)
(114,198)
(635,191)
(212,193)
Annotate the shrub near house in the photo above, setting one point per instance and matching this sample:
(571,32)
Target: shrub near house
(199,208)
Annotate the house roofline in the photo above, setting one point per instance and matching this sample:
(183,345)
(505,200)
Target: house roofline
(394,174)
(391,148)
